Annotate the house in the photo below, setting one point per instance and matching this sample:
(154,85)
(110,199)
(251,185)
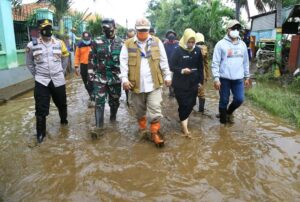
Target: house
(264,25)
(14,35)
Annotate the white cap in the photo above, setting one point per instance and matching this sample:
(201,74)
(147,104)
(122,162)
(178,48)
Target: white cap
(142,23)
(231,23)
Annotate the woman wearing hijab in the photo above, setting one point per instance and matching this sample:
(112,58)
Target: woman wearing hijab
(187,65)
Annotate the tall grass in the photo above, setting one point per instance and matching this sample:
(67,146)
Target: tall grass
(280,101)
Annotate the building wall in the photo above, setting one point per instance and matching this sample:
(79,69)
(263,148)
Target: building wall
(2,60)
(7,35)
(264,34)
(21,57)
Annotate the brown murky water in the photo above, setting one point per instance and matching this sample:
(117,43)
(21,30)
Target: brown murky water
(256,159)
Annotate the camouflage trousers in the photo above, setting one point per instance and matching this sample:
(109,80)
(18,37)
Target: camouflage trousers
(101,91)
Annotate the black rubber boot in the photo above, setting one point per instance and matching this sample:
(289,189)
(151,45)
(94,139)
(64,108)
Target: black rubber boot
(99,116)
(223,115)
(113,113)
(171,92)
(127,97)
(40,128)
(230,110)
(201,104)
(63,116)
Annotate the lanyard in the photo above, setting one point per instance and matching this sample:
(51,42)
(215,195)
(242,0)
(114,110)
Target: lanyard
(146,54)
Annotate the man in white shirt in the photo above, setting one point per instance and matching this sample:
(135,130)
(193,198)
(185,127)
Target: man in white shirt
(144,69)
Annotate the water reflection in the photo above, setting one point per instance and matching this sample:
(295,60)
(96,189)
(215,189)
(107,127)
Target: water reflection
(256,159)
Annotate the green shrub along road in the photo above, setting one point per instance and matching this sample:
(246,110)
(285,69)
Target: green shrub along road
(282,101)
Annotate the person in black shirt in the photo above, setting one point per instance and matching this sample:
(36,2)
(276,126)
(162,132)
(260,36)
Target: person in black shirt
(187,66)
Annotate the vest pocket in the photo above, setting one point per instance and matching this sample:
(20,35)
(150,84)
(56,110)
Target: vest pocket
(155,55)
(132,62)
(159,76)
(132,68)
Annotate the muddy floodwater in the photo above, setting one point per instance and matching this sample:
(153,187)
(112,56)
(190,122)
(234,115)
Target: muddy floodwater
(256,159)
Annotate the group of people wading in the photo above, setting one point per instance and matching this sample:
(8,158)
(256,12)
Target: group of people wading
(141,65)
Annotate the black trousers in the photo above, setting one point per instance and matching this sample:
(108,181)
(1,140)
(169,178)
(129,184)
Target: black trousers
(42,96)
(186,100)
(84,76)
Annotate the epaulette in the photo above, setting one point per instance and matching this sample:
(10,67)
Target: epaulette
(34,41)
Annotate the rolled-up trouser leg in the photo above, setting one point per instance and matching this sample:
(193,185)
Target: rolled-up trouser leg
(139,103)
(153,100)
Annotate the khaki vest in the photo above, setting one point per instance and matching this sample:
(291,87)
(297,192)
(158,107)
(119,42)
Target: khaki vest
(134,64)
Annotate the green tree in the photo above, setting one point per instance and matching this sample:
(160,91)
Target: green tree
(259,5)
(94,26)
(278,48)
(78,18)
(121,31)
(61,9)
(286,3)
(215,13)
(203,16)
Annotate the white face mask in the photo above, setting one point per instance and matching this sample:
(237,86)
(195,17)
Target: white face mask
(234,34)
(190,48)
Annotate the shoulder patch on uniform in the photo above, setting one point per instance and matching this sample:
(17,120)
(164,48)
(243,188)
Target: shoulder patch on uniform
(27,50)
(99,41)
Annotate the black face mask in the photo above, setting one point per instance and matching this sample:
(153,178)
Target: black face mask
(171,37)
(47,31)
(109,33)
(108,30)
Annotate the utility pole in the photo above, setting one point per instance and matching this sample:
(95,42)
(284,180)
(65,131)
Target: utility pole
(237,9)
(278,45)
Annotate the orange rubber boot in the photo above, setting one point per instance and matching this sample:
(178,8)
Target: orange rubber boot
(142,124)
(154,134)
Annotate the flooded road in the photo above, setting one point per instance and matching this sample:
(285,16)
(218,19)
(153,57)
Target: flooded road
(256,159)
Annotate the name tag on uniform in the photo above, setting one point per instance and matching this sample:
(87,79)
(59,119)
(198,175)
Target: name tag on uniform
(56,51)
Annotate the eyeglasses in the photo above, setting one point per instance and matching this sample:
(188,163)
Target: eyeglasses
(236,27)
(143,30)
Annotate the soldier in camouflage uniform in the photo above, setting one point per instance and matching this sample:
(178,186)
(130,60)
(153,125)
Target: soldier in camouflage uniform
(104,70)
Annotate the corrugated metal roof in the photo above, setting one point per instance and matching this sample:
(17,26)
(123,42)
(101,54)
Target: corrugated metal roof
(264,22)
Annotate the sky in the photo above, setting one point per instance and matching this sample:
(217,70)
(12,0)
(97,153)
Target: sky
(121,10)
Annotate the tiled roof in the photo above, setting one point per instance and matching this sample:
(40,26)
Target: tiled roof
(25,10)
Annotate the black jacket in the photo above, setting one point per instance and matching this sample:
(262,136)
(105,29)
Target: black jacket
(183,59)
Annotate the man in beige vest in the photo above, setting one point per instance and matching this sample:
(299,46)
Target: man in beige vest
(144,69)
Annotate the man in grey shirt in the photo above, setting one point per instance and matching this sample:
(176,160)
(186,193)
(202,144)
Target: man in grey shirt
(47,59)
